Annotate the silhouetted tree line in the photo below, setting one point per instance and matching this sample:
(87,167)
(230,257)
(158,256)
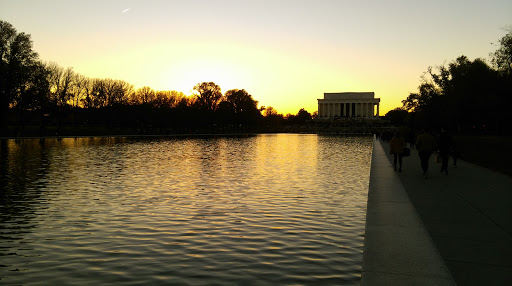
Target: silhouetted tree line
(465,96)
(40,99)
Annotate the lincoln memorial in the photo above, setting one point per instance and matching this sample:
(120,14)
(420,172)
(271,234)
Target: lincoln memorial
(348,104)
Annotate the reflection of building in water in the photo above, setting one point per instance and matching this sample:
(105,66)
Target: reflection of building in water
(348,104)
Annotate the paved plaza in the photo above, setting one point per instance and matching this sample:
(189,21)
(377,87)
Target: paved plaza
(444,230)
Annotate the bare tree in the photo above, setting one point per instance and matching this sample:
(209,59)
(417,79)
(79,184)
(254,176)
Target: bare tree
(87,100)
(61,81)
(54,78)
(119,92)
(98,93)
(162,99)
(64,96)
(78,89)
(145,95)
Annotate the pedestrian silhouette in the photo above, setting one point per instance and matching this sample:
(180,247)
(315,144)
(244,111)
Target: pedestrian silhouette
(396,147)
(425,144)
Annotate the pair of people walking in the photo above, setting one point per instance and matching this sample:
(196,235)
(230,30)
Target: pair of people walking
(426,145)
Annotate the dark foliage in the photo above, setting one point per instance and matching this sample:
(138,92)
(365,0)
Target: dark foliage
(465,96)
(397,116)
(44,99)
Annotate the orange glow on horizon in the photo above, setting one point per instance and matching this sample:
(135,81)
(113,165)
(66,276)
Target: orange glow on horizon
(184,76)
(286,54)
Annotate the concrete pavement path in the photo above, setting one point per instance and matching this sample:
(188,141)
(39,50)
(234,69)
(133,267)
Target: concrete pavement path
(468,214)
(398,249)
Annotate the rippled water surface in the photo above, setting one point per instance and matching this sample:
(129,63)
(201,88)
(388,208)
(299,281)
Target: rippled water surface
(264,210)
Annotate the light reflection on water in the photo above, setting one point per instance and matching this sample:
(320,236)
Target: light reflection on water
(268,209)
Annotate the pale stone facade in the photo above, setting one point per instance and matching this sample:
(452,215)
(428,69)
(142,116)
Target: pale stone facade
(348,104)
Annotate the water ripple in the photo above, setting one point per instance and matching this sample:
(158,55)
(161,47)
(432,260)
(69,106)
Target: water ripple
(269,209)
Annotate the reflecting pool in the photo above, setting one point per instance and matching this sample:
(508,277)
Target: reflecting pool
(262,210)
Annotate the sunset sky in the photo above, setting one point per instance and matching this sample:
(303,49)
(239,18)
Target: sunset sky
(286,54)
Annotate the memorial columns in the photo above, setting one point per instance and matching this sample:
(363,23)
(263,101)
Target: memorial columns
(349,104)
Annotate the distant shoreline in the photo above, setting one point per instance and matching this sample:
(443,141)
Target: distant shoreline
(119,131)
(130,136)
(181,135)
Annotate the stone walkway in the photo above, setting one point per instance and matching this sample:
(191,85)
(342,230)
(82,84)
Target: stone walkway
(467,214)
(397,247)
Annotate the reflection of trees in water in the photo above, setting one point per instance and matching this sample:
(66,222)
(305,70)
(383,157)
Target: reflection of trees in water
(23,168)
(83,200)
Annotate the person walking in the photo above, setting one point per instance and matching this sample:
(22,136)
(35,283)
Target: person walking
(396,147)
(445,146)
(425,144)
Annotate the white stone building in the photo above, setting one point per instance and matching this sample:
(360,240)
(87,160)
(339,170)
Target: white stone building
(348,104)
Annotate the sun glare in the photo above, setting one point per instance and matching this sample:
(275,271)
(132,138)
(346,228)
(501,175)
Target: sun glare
(183,77)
